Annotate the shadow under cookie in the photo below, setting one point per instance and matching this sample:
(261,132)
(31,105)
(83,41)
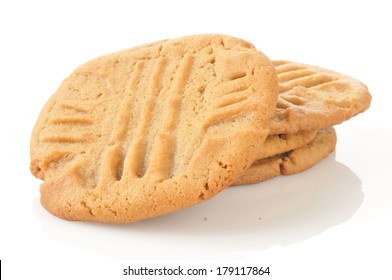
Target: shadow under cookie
(281,211)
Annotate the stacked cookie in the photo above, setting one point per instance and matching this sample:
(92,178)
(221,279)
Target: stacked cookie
(310,101)
(161,127)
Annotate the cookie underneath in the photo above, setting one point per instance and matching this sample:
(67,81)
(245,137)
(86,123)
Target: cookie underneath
(292,162)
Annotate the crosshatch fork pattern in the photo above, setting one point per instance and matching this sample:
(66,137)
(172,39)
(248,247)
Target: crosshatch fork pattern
(152,130)
(162,96)
(310,97)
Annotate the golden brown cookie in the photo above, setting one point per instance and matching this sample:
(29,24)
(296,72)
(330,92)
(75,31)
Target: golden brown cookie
(311,97)
(281,143)
(292,162)
(154,129)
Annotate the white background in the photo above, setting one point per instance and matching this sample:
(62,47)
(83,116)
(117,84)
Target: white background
(330,222)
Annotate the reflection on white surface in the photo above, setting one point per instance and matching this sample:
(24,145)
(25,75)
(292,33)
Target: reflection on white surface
(281,211)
